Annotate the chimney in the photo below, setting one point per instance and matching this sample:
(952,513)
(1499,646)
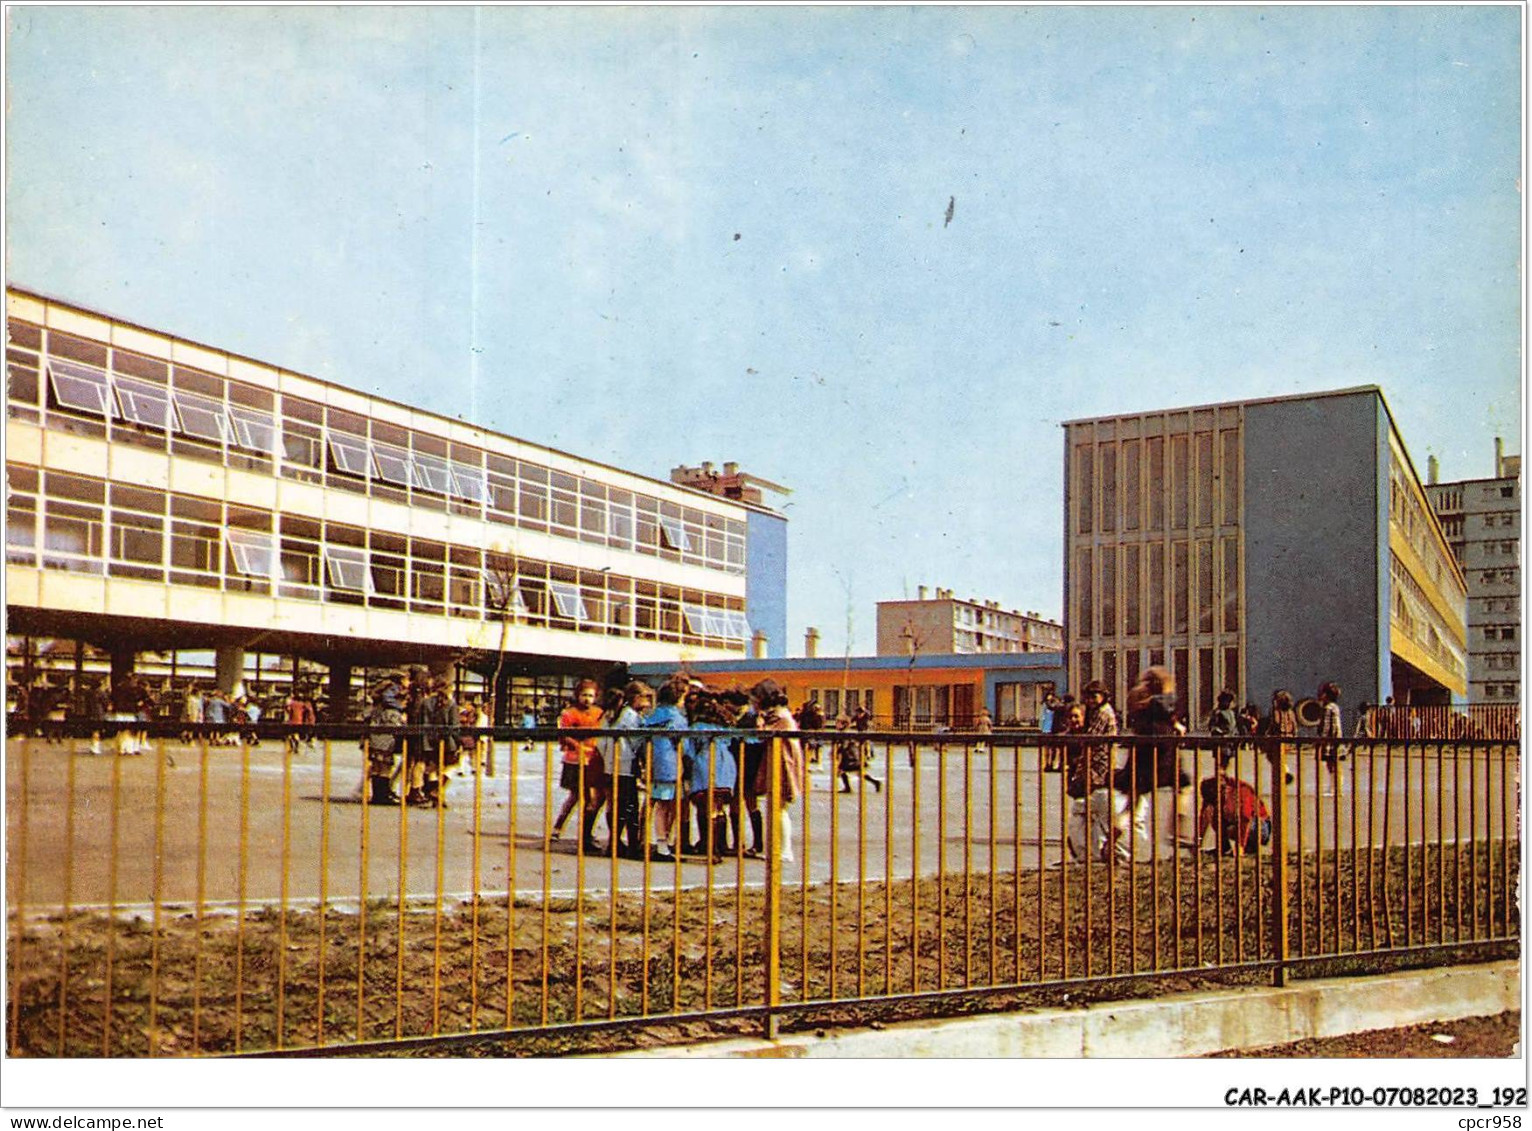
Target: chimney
(731,469)
(811,643)
(707,467)
(1499,458)
(758,645)
(920,592)
(1431,467)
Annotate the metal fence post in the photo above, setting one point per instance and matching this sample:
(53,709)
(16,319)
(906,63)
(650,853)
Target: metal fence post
(1279,908)
(773,887)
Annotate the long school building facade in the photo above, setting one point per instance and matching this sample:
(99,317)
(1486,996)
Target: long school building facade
(165,495)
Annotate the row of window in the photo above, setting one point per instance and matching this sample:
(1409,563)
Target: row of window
(1122,485)
(836,702)
(1211,593)
(1416,618)
(1499,576)
(1498,604)
(86,525)
(1499,632)
(1501,661)
(1408,512)
(84,386)
(1502,691)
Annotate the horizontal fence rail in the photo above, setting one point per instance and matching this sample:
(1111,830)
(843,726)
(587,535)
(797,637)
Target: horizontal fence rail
(232,890)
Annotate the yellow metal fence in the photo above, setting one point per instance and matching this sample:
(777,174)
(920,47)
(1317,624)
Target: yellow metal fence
(205,898)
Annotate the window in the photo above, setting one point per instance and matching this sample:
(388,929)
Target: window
(251,552)
(254,431)
(433,474)
(348,454)
(696,619)
(566,599)
(1084,487)
(202,417)
(501,593)
(1179,486)
(145,404)
(79,387)
(1108,488)
(468,482)
(674,536)
(346,567)
(393,465)
(738,628)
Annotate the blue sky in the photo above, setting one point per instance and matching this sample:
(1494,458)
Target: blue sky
(656,236)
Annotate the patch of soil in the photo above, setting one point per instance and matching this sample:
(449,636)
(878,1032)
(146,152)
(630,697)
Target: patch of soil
(550,976)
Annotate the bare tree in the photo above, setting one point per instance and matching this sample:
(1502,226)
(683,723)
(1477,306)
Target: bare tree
(502,598)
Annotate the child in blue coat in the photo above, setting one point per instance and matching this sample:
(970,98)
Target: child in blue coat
(664,764)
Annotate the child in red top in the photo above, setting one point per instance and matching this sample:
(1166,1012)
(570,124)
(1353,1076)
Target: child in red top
(1237,811)
(583,712)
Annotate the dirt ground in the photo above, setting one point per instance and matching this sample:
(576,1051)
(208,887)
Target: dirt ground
(1498,1036)
(266,979)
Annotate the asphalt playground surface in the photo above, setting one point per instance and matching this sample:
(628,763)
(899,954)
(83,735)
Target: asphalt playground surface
(177,826)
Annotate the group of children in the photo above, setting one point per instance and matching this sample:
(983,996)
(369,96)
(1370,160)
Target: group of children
(690,793)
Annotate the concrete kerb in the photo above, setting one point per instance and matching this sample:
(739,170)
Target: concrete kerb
(1177,1025)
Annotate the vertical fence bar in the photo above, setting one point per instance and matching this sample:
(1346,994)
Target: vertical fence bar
(773,895)
(244,875)
(888,871)
(1335,842)
(941,867)
(587,820)
(1279,894)
(1016,829)
(68,914)
(834,883)
(1409,910)
(286,864)
(441,864)
(1372,844)
(1505,847)
(643,990)
(406,785)
(967,864)
(363,855)
(1473,838)
(1085,865)
(914,866)
(17,968)
(475,865)
(1071,749)
(803,885)
(1196,862)
(159,891)
(1303,914)
(739,821)
(324,884)
(1239,862)
(547,855)
(1044,748)
(707,879)
(612,780)
(861,885)
(1441,845)
(1356,870)
(512,774)
(994,910)
(1219,904)
(1457,843)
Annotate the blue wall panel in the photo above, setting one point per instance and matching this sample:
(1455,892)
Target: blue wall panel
(1312,542)
(766,579)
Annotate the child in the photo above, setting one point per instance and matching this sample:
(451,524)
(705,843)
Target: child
(1236,810)
(663,765)
(638,700)
(581,760)
(710,779)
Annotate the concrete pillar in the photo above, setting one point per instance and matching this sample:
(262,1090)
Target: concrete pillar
(122,664)
(339,692)
(229,671)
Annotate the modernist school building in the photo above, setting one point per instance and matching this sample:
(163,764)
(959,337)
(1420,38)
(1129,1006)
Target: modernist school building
(174,508)
(1257,545)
